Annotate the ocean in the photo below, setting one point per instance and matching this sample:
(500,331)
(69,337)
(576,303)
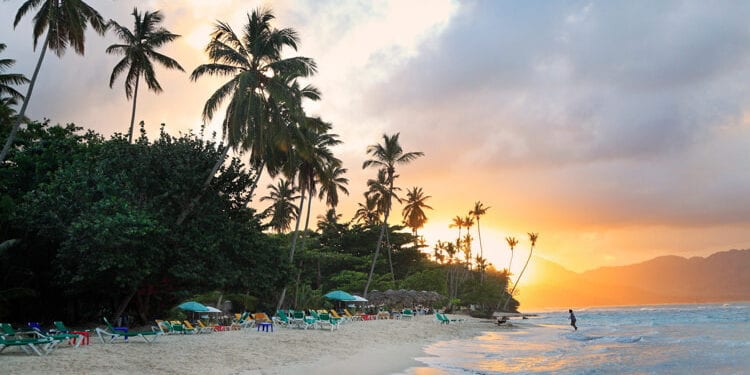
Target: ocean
(663,339)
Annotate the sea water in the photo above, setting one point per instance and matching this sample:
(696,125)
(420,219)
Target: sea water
(665,339)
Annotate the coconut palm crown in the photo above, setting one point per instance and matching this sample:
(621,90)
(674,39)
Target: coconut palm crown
(138,49)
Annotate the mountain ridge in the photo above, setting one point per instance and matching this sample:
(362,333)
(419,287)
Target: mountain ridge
(720,277)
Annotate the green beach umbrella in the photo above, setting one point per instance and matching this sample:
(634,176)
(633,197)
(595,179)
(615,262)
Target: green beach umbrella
(340,295)
(193,306)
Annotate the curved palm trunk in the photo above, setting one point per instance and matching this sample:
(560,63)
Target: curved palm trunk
(257,177)
(505,306)
(17,124)
(377,251)
(481,251)
(380,240)
(304,243)
(191,206)
(132,115)
(388,244)
(293,247)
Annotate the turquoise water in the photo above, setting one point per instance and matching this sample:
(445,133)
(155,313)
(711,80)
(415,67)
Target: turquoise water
(667,339)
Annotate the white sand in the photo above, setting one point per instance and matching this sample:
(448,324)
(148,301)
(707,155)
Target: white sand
(370,347)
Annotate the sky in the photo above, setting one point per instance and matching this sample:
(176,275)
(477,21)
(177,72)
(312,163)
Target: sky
(617,130)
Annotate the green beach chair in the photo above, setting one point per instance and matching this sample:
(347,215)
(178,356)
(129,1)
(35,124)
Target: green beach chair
(112,334)
(37,345)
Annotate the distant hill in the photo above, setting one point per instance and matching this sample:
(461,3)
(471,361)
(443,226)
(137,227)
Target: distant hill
(723,276)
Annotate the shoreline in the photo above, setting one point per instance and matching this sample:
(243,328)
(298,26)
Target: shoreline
(370,347)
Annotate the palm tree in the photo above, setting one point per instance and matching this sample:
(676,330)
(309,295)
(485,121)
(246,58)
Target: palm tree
(329,222)
(414,216)
(310,158)
(265,99)
(438,251)
(512,242)
(477,212)
(377,189)
(367,213)
(8,79)
(65,22)
(532,238)
(138,49)
(457,222)
(386,156)
(332,181)
(282,210)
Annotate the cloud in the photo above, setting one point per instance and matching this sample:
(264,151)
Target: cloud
(602,106)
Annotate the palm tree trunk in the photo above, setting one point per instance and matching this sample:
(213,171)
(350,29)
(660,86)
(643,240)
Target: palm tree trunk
(481,252)
(293,247)
(505,306)
(191,206)
(132,115)
(380,240)
(388,244)
(259,172)
(375,258)
(17,123)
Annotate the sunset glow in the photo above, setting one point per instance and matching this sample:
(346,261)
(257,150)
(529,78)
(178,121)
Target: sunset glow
(615,146)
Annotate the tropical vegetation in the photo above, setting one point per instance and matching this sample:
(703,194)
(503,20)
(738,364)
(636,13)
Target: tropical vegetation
(93,226)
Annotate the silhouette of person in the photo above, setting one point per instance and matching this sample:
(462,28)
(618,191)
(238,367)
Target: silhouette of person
(573,319)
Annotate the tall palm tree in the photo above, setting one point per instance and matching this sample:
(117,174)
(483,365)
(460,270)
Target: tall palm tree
(512,242)
(533,237)
(478,211)
(457,222)
(265,99)
(414,216)
(282,210)
(65,22)
(377,189)
(138,50)
(9,79)
(386,156)
(311,156)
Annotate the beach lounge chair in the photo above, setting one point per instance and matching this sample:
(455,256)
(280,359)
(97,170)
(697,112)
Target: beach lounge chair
(204,327)
(407,314)
(323,320)
(182,328)
(299,319)
(35,345)
(440,318)
(112,334)
(189,326)
(282,318)
(335,315)
(164,327)
(444,319)
(261,317)
(245,320)
(10,332)
(353,317)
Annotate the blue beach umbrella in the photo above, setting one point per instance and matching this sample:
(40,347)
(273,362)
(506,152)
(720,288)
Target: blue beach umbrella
(340,295)
(193,306)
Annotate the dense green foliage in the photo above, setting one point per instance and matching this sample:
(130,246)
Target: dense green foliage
(89,229)
(95,224)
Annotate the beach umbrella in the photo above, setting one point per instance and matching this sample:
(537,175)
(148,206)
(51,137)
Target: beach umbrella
(193,306)
(212,309)
(339,295)
(358,298)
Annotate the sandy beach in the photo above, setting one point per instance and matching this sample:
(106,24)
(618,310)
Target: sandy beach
(370,347)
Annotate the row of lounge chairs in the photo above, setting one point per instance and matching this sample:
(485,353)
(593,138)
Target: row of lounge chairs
(37,340)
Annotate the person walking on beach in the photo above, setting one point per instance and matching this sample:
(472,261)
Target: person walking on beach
(573,319)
